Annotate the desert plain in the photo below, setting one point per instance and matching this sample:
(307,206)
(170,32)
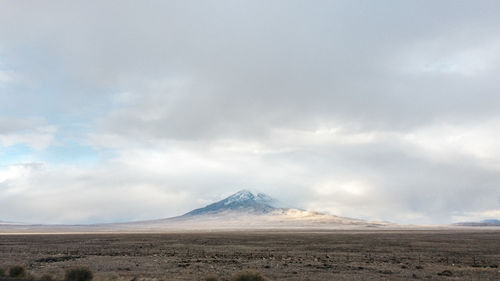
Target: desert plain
(450,254)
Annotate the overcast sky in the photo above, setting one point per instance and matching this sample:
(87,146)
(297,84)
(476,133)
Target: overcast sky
(130,110)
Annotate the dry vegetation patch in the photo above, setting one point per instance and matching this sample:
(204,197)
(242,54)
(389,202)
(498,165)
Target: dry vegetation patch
(249,276)
(17,271)
(78,274)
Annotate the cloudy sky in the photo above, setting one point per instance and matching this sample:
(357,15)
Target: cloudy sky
(130,110)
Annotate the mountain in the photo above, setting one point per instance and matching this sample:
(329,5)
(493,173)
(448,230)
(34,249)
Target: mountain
(243,210)
(491,221)
(7,222)
(247,210)
(243,201)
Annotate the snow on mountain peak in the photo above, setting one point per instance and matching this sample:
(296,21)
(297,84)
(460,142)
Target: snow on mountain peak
(242,201)
(240,196)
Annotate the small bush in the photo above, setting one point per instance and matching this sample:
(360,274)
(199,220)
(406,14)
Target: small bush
(78,274)
(46,277)
(249,276)
(17,271)
(2,272)
(445,273)
(211,278)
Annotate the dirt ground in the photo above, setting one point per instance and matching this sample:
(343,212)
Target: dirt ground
(329,255)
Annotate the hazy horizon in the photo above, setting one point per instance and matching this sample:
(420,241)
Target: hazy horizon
(127,110)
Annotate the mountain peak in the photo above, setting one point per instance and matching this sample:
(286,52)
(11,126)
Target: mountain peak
(242,195)
(241,201)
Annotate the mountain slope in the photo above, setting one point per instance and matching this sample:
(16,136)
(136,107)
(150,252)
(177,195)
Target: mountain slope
(243,201)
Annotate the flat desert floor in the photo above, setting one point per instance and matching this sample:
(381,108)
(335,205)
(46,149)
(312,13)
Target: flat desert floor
(328,255)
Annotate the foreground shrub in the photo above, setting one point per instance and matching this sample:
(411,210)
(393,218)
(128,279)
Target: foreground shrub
(2,272)
(78,274)
(249,276)
(17,271)
(211,278)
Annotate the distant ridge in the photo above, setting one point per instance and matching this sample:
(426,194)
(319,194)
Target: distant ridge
(488,222)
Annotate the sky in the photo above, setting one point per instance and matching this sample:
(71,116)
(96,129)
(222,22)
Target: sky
(130,110)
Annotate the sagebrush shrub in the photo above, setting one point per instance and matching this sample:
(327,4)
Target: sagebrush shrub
(17,271)
(78,274)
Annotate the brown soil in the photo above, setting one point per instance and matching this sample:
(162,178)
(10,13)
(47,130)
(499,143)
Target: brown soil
(331,255)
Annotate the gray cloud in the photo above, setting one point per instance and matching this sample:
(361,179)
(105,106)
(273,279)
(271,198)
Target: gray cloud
(343,60)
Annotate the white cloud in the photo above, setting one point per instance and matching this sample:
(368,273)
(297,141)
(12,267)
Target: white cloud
(37,194)
(476,216)
(451,141)
(38,138)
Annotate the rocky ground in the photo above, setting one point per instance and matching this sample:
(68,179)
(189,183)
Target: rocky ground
(328,255)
